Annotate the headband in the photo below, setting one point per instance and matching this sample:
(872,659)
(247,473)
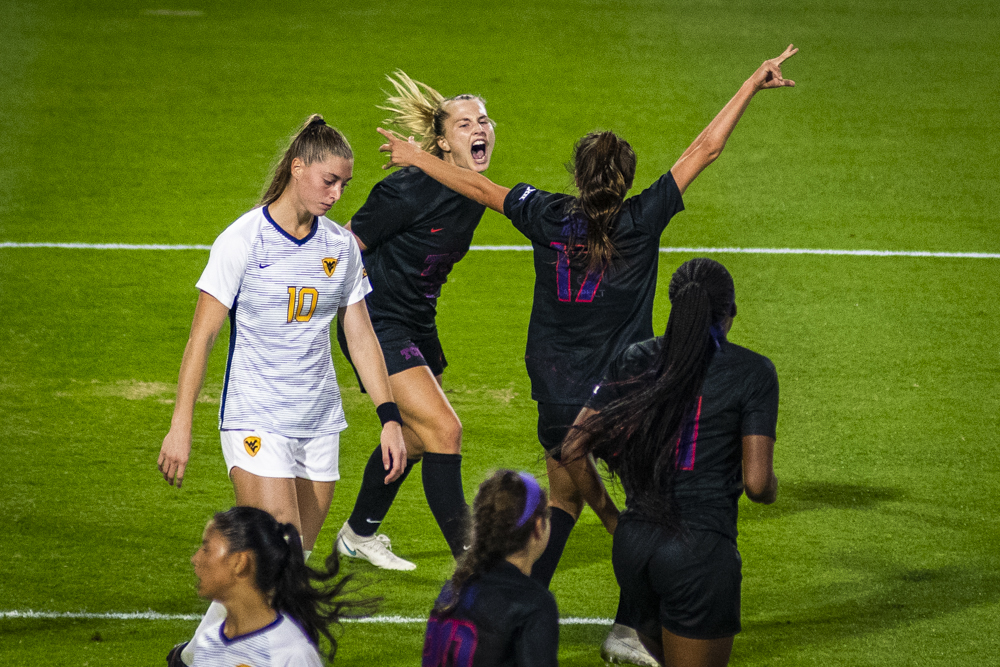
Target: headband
(531,498)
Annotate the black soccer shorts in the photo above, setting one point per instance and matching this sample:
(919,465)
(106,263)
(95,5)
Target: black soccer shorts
(688,583)
(402,353)
(553,425)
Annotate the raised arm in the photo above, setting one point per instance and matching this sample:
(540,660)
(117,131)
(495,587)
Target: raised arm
(368,360)
(209,316)
(582,470)
(465,182)
(709,144)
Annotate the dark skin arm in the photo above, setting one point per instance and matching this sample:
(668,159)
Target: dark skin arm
(582,470)
(759,480)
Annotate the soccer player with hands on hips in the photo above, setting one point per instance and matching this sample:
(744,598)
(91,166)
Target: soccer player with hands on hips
(687,422)
(280,274)
(491,613)
(412,231)
(596,258)
(253,565)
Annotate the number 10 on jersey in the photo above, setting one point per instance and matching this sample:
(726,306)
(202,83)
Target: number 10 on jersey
(297,301)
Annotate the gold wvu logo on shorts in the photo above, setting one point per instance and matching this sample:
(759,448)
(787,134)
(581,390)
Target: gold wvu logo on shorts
(329,265)
(252,445)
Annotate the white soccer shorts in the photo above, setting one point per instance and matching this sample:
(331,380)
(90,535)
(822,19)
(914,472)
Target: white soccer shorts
(271,455)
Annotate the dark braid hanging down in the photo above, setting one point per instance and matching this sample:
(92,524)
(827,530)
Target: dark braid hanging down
(499,529)
(282,572)
(638,434)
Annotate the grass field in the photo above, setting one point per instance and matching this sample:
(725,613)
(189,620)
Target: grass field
(155,123)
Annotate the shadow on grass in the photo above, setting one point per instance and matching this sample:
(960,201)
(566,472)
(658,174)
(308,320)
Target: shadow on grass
(804,496)
(897,596)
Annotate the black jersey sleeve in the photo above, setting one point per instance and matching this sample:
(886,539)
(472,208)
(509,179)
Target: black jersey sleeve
(538,643)
(760,413)
(386,212)
(655,205)
(529,208)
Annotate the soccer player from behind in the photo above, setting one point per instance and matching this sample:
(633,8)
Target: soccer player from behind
(596,258)
(687,422)
(491,612)
(412,231)
(280,274)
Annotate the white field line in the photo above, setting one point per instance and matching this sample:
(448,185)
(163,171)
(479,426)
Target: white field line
(156,616)
(523,248)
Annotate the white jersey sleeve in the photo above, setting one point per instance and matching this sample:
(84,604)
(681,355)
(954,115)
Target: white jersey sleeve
(227,263)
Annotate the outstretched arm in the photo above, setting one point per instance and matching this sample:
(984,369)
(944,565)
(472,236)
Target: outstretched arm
(709,144)
(465,182)
(582,470)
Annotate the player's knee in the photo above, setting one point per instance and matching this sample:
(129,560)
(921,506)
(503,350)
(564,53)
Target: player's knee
(450,436)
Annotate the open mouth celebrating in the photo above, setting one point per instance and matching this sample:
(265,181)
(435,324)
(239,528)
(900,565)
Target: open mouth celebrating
(479,151)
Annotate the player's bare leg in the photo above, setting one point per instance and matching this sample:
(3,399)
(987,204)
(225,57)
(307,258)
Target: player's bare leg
(433,433)
(313,499)
(566,504)
(683,652)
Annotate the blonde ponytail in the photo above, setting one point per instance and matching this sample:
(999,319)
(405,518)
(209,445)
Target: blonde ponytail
(418,110)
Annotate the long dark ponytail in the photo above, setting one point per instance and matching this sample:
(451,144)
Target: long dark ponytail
(281,572)
(637,435)
(503,516)
(604,168)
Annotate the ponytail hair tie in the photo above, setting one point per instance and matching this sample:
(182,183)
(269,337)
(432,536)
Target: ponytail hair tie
(317,121)
(531,498)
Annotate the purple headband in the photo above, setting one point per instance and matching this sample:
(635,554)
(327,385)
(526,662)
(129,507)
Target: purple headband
(534,494)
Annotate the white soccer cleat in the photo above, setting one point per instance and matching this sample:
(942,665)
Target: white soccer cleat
(376,549)
(622,647)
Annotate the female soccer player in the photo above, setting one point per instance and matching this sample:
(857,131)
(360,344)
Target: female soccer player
(281,273)
(492,612)
(412,230)
(253,565)
(687,422)
(596,259)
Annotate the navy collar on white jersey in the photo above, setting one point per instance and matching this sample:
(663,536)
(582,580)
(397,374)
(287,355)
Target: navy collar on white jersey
(302,241)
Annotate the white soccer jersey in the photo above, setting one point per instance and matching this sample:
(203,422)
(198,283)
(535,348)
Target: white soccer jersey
(280,644)
(282,294)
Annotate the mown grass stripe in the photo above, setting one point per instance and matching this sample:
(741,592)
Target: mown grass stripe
(157,616)
(522,248)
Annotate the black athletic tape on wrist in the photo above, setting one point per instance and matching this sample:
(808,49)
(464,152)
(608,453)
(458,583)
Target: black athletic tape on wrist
(389,412)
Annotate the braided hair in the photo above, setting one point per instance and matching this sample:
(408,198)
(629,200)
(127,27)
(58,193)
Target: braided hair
(281,572)
(604,167)
(638,434)
(314,142)
(503,519)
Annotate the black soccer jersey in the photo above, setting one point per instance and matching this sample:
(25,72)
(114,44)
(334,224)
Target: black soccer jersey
(503,619)
(414,230)
(739,397)
(582,320)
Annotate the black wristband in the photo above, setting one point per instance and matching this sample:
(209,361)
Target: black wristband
(389,412)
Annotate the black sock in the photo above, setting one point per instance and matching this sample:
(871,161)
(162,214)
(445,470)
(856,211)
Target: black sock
(562,526)
(375,497)
(442,475)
